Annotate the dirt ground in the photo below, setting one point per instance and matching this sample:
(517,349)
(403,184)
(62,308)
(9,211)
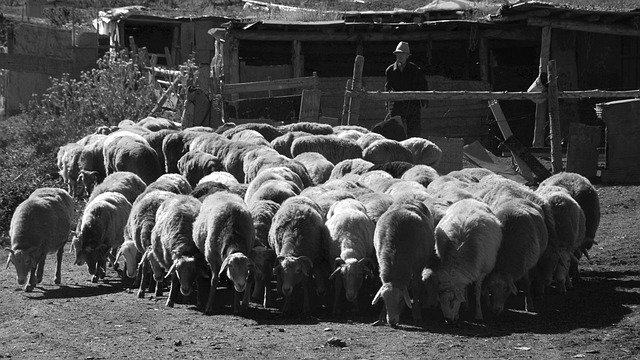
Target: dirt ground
(598,319)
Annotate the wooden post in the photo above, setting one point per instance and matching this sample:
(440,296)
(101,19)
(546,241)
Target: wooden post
(167,55)
(165,96)
(554,119)
(347,102)
(359,48)
(483,57)
(232,63)
(297,62)
(354,103)
(582,152)
(541,107)
(310,105)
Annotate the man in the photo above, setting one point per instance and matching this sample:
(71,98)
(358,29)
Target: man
(404,75)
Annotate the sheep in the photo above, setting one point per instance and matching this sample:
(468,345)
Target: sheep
(524,239)
(100,231)
(262,163)
(155,140)
(570,231)
(138,229)
(385,151)
(395,168)
(445,198)
(318,167)
(375,204)
(174,183)
(195,165)
(175,145)
(403,241)
(269,132)
(251,136)
(68,159)
(208,188)
(157,124)
(275,190)
(370,179)
(471,175)
(324,198)
(299,237)
(331,147)
(444,183)
(351,233)
(91,139)
(393,128)
(224,127)
(355,166)
(422,174)
(233,155)
(381,184)
(276,173)
(586,195)
(129,252)
(39,225)
(400,187)
(172,246)
(352,135)
(125,154)
(282,144)
(423,151)
(310,127)
(369,138)
(264,259)
(360,129)
(224,233)
(127,183)
(91,163)
(467,241)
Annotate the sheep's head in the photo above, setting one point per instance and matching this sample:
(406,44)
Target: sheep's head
(497,290)
(352,272)
(129,252)
(264,259)
(292,271)
(237,267)
(88,179)
(186,269)
(393,298)
(23,261)
(561,274)
(450,300)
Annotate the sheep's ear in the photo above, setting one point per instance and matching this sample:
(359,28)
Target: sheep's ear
(335,273)
(171,271)
(9,258)
(405,296)
(224,266)
(513,288)
(377,297)
(367,265)
(307,265)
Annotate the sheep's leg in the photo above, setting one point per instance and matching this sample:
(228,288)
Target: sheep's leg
(143,274)
(416,311)
(382,318)
(40,268)
(478,290)
(269,295)
(212,293)
(247,294)
(57,279)
(337,291)
(32,280)
(528,299)
(203,292)
(173,292)
(257,292)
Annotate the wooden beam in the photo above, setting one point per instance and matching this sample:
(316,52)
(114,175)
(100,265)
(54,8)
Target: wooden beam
(483,57)
(541,107)
(585,27)
(445,95)
(436,35)
(309,82)
(168,57)
(554,119)
(310,105)
(345,104)
(354,103)
(583,94)
(35,64)
(296,58)
(165,96)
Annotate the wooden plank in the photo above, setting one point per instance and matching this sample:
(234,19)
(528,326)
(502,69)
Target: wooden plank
(525,170)
(354,103)
(297,62)
(572,25)
(165,96)
(445,95)
(175,46)
(554,119)
(582,152)
(622,145)
(233,61)
(541,106)
(187,40)
(309,82)
(35,64)
(168,57)
(483,57)
(133,47)
(345,104)
(520,151)
(310,105)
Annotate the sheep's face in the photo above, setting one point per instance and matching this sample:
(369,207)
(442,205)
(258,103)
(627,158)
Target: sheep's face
(186,271)
(237,267)
(561,273)
(292,271)
(393,299)
(353,274)
(264,259)
(498,290)
(23,262)
(450,300)
(129,252)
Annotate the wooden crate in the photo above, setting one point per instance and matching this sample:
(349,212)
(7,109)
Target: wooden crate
(622,134)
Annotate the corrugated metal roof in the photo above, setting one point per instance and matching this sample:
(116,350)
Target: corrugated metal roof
(522,11)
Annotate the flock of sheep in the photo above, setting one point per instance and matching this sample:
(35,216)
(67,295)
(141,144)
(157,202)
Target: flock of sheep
(325,211)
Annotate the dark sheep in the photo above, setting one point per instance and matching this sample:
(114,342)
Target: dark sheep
(309,127)
(395,168)
(331,147)
(269,132)
(384,151)
(282,144)
(350,166)
(195,165)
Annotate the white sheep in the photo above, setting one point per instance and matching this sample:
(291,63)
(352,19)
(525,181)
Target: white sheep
(356,166)
(524,239)
(275,190)
(300,238)
(124,182)
(318,167)
(101,231)
(351,233)
(422,174)
(174,183)
(467,241)
(68,161)
(333,148)
(386,150)
(221,177)
(224,233)
(403,240)
(423,151)
(39,225)
(172,248)
(276,173)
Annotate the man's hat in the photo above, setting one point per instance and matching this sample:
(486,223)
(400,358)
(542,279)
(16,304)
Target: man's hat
(403,47)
